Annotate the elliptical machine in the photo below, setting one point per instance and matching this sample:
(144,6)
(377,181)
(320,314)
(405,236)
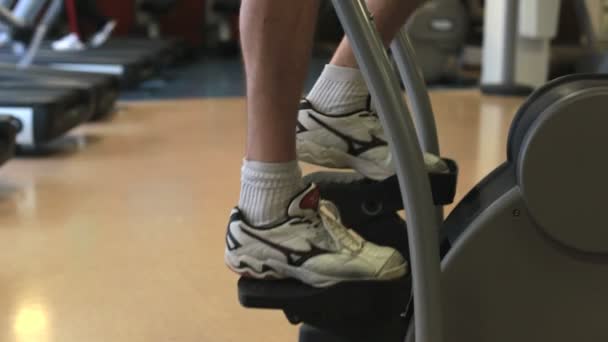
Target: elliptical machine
(523,257)
(438,31)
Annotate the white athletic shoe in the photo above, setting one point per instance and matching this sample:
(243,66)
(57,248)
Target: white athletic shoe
(70,42)
(103,35)
(352,140)
(310,245)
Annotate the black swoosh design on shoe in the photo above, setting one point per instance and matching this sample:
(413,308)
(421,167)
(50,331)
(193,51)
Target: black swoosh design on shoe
(356,146)
(294,257)
(231,241)
(300,128)
(265,268)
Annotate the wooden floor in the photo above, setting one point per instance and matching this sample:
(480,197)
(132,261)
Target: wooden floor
(120,237)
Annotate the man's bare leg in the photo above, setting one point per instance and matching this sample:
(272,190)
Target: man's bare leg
(281,229)
(276,39)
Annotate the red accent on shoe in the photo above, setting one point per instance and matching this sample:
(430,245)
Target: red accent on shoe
(311,200)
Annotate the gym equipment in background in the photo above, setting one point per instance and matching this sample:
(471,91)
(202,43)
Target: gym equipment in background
(44,114)
(523,257)
(102,90)
(132,62)
(148,14)
(8,131)
(517,45)
(593,49)
(47,103)
(438,31)
(519,55)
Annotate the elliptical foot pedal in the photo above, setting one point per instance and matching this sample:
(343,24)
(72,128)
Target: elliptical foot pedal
(303,303)
(366,200)
(443,185)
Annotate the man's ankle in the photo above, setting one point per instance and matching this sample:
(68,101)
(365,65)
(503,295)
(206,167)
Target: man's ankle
(267,189)
(339,90)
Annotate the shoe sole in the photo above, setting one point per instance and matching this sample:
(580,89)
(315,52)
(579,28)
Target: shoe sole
(250,267)
(313,153)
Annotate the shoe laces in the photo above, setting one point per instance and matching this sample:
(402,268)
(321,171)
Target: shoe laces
(316,220)
(329,217)
(372,121)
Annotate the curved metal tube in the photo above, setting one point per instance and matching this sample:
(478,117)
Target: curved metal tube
(413,179)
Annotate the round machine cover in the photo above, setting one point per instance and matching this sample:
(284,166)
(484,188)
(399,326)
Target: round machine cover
(558,142)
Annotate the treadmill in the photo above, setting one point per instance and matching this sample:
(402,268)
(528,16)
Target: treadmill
(44,107)
(130,72)
(130,66)
(8,133)
(168,50)
(133,67)
(43,115)
(102,90)
(13,83)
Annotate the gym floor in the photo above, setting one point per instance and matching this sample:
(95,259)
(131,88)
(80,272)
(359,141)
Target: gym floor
(125,242)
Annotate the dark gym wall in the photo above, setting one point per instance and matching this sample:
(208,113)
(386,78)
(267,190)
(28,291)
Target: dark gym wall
(121,10)
(185,19)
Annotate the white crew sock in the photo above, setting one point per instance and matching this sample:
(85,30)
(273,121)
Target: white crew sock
(267,190)
(339,90)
